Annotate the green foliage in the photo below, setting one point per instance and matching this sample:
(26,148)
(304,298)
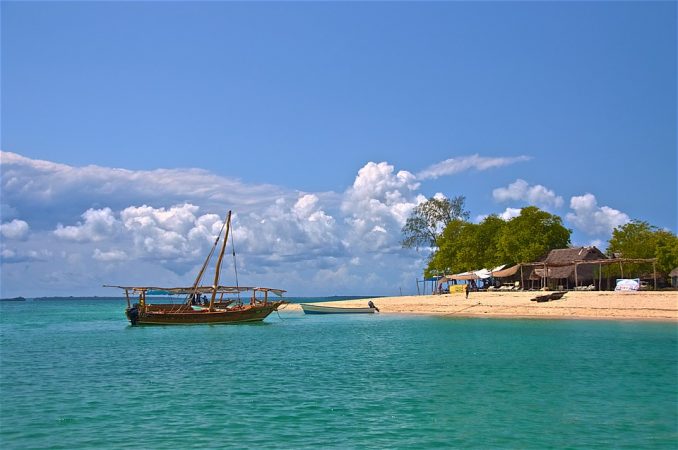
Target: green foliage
(430,218)
(639,239)
(465,246)
(448,256)
(531,235)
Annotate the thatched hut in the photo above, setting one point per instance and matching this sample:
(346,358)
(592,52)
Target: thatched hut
(561,270)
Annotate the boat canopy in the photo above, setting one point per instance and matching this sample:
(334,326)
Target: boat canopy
(155,290)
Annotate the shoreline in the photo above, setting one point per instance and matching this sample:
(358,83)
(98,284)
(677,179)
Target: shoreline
(659,306)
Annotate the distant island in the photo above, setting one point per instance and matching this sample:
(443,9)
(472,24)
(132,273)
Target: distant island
(23,299)
(93,297)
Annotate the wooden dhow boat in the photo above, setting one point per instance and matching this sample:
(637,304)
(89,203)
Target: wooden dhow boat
(195,308)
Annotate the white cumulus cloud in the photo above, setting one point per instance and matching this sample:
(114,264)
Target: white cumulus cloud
(98,224)
(536,195)
(377,205)
(174,232)
(15,230)
(510,213)
(289,231)
(593,219)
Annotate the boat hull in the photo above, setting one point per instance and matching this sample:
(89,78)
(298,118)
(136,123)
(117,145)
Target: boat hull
(249,313)
(318,309)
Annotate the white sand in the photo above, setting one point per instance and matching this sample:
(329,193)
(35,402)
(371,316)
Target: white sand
(644,305)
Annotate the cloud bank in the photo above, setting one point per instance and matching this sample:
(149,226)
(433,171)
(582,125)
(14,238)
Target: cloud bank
(81,227)
(158,226)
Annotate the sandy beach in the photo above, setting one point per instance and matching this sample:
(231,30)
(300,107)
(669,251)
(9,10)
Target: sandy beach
(644,305)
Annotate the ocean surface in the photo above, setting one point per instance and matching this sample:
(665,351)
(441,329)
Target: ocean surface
(75,375)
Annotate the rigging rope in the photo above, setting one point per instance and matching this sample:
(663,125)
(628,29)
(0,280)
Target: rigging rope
(204,266)
(235,269)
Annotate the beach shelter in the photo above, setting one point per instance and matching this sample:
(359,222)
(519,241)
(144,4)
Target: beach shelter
(674,277)
(506,273)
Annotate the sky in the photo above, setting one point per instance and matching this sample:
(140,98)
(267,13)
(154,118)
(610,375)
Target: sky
(129,129)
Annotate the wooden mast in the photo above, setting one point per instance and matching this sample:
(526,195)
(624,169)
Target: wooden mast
(204,265)
(221,256)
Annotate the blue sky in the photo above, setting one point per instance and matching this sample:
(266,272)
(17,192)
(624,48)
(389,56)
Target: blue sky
(127,128)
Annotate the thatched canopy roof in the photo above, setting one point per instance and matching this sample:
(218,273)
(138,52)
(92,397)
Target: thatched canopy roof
(508,272)
(674,272)
(567,256)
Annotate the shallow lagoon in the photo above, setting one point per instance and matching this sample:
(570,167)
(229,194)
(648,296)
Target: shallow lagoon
(75,375)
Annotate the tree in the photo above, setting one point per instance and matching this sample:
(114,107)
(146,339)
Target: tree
(467,246)
(639,239)
(531,235)
(428,220)
(487,238)
(448,255)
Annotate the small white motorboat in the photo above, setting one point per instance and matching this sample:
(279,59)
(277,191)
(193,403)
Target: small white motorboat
(320,309)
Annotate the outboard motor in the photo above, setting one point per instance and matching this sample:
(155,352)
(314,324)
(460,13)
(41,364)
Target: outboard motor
(372,305)
(133,314)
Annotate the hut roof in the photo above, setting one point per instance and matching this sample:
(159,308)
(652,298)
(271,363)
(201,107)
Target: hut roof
(508,272)
(567,256)
(674,272)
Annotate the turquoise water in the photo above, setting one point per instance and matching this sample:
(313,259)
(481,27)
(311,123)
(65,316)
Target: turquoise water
(75,375)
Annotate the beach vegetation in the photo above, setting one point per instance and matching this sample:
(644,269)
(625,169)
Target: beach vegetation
(639,239)
(467,246)
(531,235)
(429,219)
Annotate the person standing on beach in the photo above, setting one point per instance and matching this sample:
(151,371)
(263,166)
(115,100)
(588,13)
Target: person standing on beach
(466,289)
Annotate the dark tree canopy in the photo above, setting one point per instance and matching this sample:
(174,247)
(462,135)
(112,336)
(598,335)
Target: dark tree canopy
(429,219)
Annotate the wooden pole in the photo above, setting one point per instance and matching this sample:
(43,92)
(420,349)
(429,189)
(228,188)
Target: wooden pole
(522,283)
(621,269)
(129,305)
(217,270)
(204,265)
(600,277)
(654,274)
(576,280)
